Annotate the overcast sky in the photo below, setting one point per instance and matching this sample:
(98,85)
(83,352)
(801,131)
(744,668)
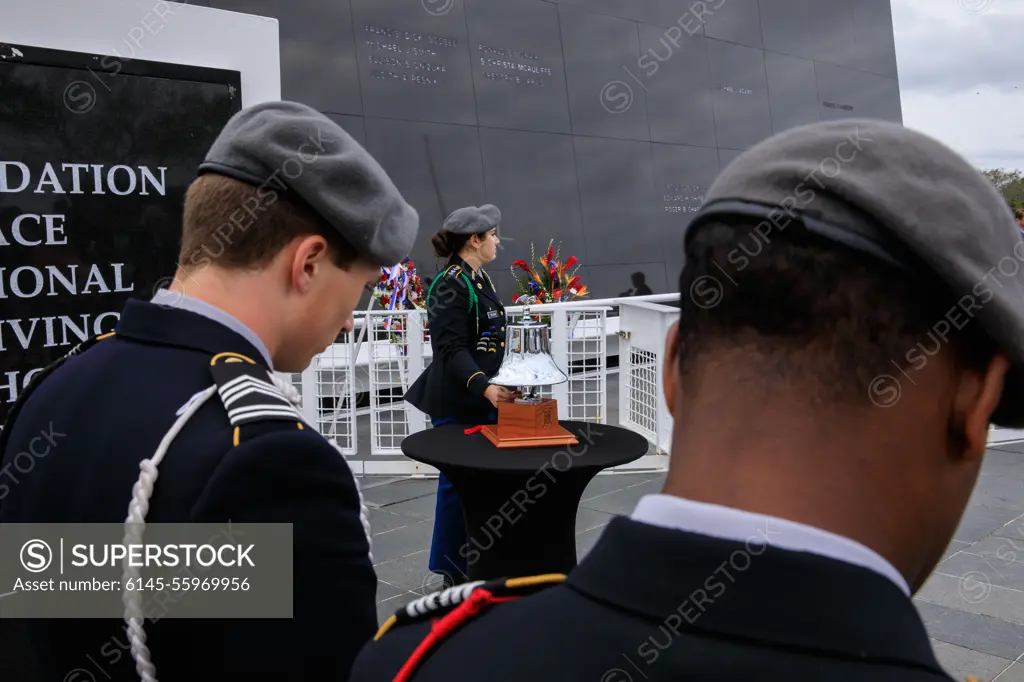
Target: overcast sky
(961,68)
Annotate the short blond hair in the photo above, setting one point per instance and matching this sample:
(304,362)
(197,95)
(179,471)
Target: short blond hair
(239,226)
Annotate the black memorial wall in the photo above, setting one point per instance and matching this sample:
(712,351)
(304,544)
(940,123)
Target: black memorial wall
(95,157)
(599,123)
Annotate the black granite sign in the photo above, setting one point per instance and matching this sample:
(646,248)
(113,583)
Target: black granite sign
(95,157)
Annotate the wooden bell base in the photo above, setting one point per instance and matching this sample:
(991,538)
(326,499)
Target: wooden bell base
(528,425)
(563,437)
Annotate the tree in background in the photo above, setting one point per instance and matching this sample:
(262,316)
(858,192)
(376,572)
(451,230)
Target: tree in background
(1010,183)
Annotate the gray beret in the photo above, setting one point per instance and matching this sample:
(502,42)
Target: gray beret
(903,197)
(472,219)
(292,148)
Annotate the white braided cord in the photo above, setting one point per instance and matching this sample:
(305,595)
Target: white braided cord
(135,525)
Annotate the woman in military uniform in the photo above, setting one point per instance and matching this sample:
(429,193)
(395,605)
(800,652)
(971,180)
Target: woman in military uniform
(466,321)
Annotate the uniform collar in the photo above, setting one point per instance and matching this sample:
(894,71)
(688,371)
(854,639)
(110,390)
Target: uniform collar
(717,521)
(753,591)
(148,322)
(467,268)
(168,299)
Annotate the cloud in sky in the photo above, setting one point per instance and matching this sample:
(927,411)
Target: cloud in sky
(962,75)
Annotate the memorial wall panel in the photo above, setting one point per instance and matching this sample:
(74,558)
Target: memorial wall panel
(792,90)
(736,21)
(679,90)
(784,27)
(318,54)
(664,13)
(597,50)
(532,177)
(437,168)
(353,125)
(742,113)
(518,73)
(876,46)
(831,32)
(414,63)
(683,175)
(619,199)
(593,122)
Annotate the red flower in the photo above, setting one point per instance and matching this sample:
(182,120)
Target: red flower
(516,297)
(521,264)
(571,262)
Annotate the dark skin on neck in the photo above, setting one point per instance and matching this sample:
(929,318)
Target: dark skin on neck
(895,479)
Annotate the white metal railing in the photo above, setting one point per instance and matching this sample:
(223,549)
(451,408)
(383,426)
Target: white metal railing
(353,391)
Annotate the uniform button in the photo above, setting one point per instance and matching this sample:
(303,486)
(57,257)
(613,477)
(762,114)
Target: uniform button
(502,329)
(502,344)
(479,286)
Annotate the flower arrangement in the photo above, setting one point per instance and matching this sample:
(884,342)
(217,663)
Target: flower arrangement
(399,288)
(553,281)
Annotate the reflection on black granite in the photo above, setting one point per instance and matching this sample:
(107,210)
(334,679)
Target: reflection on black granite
(110,184)
(638,285)
(532,178)
(609,281)
(437,168)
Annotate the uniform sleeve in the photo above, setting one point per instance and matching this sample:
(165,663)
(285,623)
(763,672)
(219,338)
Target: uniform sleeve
(447,314)
(293,476)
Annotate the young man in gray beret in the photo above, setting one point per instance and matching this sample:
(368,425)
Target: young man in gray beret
(852,324)
(287,224)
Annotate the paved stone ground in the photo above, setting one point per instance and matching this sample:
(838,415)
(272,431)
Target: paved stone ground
(973,605)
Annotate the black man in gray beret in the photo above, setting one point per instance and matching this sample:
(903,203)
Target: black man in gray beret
(288,222)
(852,323)
(466,320)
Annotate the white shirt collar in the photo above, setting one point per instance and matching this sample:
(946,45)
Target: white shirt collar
(717,521)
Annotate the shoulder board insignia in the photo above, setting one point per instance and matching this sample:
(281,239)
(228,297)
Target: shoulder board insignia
(455,602)
(249,392)
(452,608)
(453,271)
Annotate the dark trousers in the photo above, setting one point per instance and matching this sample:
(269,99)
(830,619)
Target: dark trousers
(448,544)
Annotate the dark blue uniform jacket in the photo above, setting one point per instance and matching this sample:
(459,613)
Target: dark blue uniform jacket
(111,405)
(466,319)
(653,604)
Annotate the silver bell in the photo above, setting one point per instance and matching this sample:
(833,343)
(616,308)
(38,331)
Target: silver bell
(528,362)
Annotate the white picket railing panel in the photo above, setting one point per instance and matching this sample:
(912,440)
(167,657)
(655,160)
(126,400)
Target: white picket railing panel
(353,391)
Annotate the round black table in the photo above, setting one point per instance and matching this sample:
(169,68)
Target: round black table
(520,503)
